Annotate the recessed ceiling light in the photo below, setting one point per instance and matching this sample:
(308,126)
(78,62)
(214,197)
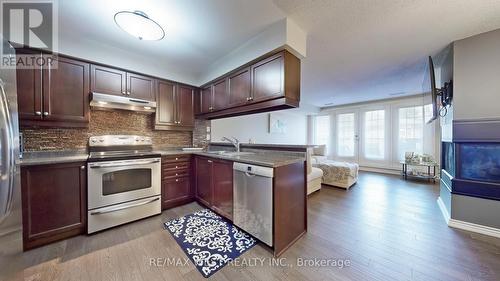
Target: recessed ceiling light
(139,25)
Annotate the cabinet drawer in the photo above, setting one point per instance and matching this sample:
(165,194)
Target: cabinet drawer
(175,166)
(175,173)
(176,158)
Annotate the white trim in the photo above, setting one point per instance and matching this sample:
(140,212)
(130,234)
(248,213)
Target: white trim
(444,211)
(380,170)
(477,228)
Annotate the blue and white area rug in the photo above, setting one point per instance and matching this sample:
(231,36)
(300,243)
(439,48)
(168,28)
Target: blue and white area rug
(209,240)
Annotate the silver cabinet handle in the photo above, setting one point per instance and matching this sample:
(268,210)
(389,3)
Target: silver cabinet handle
(38,113)
(82,167)
(123,164)
(110,210)
(45,113)
(124,93)
(128,93)
(209,161)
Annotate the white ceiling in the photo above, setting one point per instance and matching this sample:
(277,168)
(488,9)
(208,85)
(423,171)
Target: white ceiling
(373,49)
(357,50)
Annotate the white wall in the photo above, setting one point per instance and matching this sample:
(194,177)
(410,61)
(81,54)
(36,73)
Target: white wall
(477,77)
(95,51)
(256,127)
(282,33)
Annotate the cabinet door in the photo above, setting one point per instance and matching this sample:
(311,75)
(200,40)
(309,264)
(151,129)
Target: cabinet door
(268,78)
(54,202)
(66,91)
(223,188)
(185,106)
(220,98)
(165,103)
(29,89)
(140,87)
(204,180)
(206,99)
(175,190)
(239,87)
(105,80)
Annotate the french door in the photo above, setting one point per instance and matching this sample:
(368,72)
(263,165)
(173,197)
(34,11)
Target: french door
(347,136)
(361,136)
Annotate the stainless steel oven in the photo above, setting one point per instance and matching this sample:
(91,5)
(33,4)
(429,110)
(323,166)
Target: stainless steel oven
(124,181)
(114,182)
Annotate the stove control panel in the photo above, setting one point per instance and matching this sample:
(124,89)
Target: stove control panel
(120,140)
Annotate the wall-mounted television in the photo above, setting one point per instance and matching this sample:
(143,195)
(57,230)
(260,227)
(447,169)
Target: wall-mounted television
(430,93)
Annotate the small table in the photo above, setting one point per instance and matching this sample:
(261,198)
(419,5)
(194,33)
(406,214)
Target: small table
(427,176)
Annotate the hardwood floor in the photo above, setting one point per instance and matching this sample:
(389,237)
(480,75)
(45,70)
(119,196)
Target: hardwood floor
(386,228)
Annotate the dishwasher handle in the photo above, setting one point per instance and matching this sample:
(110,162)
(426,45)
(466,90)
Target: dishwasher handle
(253,170)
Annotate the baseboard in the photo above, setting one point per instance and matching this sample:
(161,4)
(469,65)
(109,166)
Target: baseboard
(380,170)
(472,227)
(444,211)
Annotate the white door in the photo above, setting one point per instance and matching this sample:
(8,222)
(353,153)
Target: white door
(374,145)
(347,136)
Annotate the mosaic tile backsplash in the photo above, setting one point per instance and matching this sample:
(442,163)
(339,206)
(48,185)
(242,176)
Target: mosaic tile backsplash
(104,123)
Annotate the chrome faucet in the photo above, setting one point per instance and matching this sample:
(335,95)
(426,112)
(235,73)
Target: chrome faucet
(234,141)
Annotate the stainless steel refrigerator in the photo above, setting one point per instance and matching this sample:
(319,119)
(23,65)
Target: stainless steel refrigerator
(10,186)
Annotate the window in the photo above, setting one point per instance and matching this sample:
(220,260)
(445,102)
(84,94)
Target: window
(345,135)
(322,130)
(410,130)
(374,134)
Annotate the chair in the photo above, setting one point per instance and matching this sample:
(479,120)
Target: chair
(314,175)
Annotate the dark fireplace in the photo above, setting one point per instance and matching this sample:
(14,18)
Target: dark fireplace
(480,162)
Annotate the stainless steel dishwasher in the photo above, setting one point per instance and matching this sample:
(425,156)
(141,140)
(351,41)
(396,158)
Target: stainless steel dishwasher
(253,200)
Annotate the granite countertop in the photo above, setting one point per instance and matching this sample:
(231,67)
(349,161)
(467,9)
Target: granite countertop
(262,159)
(53,157)
(272,160)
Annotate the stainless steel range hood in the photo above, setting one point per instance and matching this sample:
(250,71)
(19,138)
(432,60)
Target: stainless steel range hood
(109,102)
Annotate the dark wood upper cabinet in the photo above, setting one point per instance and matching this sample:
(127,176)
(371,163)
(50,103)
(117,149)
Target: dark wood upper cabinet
(140,87)
(185,106)
(29,89)
(239,87)
(268,78)
(56,95)
(271,82)
(223,188)
(111,81)
(203,180)
(206,99)
(54,202)
(174,106)
(220,97)
(105,80)
(165,103)
(66,91)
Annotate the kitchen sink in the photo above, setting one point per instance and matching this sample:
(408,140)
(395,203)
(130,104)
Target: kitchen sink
(230,153)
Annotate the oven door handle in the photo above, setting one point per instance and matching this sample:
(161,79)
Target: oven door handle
(123,164)
(123,207)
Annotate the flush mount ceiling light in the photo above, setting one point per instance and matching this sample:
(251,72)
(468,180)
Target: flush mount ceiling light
(139,25)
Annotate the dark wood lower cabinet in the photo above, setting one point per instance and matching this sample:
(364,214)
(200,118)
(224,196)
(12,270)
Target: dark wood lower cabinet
(54,199)
(203,179)
(222,179)
(176,183)
(214,185)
